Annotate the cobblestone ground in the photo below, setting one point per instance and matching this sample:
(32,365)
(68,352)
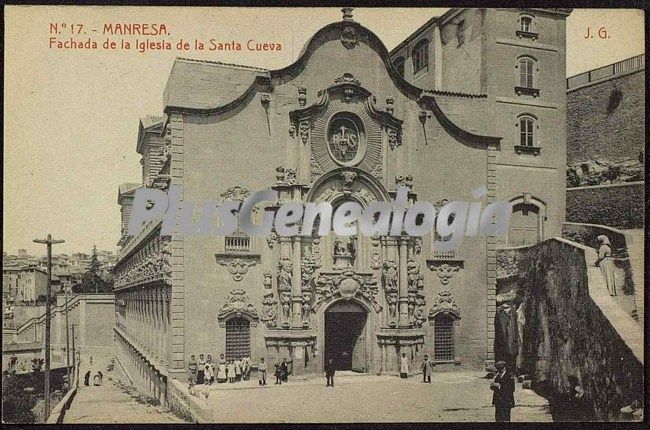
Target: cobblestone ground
(449,397)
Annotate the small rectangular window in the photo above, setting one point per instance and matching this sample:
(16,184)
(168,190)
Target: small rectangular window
(421,56)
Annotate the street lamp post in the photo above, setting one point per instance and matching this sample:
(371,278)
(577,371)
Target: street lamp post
(48,314)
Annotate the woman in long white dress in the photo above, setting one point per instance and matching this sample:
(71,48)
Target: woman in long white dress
(221,370)
(404,367)
(209,371)
(606,263)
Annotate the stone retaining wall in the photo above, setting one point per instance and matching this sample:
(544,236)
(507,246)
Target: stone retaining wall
(550,327)
(616,205)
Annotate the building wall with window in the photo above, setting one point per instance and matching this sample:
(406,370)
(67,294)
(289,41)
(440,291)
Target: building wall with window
(517,58)
(338,125)
(26,284)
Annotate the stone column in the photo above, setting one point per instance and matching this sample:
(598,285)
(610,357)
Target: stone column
(154,320)
(136,317)
(148,304)
(403,284)
(159,318)
(165,310)
(296,284)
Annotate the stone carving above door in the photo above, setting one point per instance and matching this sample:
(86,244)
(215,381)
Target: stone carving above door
(346,285)
(444,305)
(238,304)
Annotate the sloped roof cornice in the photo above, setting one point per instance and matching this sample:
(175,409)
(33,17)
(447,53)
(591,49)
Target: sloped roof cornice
(265,80)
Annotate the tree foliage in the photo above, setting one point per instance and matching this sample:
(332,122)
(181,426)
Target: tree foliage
(93,280)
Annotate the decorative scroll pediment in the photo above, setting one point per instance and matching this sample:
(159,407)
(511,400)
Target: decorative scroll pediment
(444,305)
(238,304)
(344,127)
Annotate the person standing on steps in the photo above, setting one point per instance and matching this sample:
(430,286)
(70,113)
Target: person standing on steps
(329,372)
(606,263)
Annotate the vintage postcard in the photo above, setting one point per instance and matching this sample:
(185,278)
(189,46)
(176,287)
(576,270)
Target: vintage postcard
(323,215)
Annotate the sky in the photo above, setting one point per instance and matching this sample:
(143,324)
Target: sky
(71,116)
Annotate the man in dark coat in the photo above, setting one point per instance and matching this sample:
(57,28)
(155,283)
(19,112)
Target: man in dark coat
(329,372)
(284,370)
(503,398)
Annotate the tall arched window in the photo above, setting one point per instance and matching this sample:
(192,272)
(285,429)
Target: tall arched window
(524,23)
(399,65)
(238,338)
(526,65)
(526,131)
(421,56)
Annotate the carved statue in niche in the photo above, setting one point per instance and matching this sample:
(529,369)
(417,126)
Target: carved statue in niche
(284,288)
(345,251)
(284,274)
(306,307)
(376,253)
(285,301)
(390,286)
(416,300)
(315,252)
(269,302)
(308,268)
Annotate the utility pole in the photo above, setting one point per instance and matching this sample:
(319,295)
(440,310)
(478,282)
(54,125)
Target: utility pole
(74,358)
(48,313)
(67,339)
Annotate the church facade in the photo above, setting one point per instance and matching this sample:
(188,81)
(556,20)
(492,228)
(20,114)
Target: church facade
(343,123)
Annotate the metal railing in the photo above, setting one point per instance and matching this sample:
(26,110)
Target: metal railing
(631,63)
(237,243)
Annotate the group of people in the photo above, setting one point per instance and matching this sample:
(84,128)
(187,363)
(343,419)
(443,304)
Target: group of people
(206,371)
(426,368)
(98,379)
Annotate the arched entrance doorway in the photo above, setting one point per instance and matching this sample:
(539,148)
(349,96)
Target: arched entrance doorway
(345,336)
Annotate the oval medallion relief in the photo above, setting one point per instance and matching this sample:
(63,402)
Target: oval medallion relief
(346,138)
